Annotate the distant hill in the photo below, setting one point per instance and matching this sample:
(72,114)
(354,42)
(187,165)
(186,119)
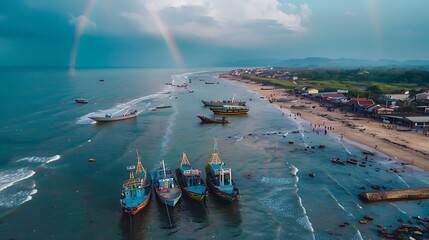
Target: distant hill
(318,62)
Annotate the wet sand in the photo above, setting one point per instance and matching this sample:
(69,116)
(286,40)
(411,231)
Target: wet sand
(408,147)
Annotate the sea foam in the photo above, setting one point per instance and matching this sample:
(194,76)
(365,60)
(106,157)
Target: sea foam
(39,159)
(10,177)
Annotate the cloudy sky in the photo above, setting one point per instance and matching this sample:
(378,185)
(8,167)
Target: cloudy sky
(187,33)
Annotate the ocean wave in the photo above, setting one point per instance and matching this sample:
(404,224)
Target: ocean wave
(304,220)
(39,159)
(278,207)
(402,211)
(10,177)
(271,180)
(17,198)
(402,180)
(339,204)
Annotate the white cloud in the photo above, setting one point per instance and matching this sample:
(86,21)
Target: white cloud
(82,21)
(238,21)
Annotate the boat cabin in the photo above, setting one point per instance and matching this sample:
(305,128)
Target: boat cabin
(222,175)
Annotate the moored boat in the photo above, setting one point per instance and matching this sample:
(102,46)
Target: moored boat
(205,119)
(165,185)
(219,178)
(112,118)
(136,191)
(368,152)
(163,106)
(190,181)
(338,161)
(230,110)
(220,103)
(81,100)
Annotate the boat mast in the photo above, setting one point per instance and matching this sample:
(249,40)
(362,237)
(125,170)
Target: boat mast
(221,176)
(215,155)
(139,167)
(233,97)
(185,160)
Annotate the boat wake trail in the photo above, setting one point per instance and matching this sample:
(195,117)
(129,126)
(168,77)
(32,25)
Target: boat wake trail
(40,159)
(166,138)
(85,119)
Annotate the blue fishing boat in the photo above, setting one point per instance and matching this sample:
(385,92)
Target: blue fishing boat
(165,185)
(219,178)
(190,180)
(136,190)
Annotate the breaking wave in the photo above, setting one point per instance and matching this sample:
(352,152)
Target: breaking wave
(10,177)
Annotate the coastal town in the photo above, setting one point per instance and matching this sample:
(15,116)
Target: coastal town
(396,124)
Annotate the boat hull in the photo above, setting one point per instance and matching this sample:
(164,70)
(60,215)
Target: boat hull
(133,211)
(221,194)
(170,201)
(205,119)
(113,119)
(222,103)
(140,206)
(230,112)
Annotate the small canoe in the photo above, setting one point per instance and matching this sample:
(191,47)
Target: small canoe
(205,119)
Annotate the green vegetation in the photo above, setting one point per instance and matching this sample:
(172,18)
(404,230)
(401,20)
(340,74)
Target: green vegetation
(356,81)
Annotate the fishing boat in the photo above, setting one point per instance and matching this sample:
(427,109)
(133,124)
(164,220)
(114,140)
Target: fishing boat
(352,161)
(165,185)
(190,180)
(368,152)
(112,118)
(205,119)
(230,110)
(163,106)
(219,178)
(220,103)
(136,191)
(81,100)
(338,161)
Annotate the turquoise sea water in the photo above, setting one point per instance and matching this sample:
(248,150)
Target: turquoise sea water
(48,190)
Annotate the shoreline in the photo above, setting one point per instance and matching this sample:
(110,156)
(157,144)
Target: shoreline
(407,147)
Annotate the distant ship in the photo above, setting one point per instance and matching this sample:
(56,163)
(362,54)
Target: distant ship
(136,191)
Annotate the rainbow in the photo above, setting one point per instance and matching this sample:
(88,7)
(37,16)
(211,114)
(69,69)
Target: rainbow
(376,25)
(78,34)
(80,27)
(167,38)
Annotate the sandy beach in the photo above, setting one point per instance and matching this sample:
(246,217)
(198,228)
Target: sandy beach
(408,147)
